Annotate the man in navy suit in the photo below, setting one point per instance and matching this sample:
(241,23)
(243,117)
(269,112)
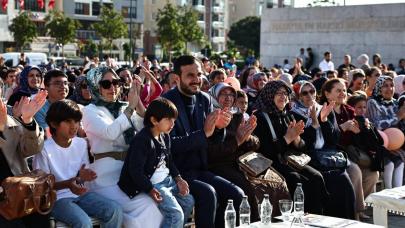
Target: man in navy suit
(198,121)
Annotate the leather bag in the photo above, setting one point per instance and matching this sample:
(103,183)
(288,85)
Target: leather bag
(27,194)
(294,159)
(254,163)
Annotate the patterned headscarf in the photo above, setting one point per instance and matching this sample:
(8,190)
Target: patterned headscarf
(93,78)
(265,100)
(77,92)
(377,95)
(24,86)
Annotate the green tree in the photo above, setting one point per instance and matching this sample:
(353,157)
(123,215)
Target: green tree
(169,30)
(190,30)
(62,28)
(90,48)
(111,26)
(246,34)
(23,29)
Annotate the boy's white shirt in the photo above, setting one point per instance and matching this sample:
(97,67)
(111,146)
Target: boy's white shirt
(63,163)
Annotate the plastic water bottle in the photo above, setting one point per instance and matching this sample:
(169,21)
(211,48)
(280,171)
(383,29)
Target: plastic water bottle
(244,212)
(265,210)
(230,215)
(299,200)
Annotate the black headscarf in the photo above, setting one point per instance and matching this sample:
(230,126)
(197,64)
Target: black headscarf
(265,100)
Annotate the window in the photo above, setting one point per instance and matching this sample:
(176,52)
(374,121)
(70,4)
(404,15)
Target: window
(153,1)
(200,16)
(154,15)
(31,5)
(82,8)
(95,8)
(198,2)
(126,12)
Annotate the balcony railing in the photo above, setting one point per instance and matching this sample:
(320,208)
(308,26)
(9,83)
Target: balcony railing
(199,8)
(218,39)
(217,24)
(218,9)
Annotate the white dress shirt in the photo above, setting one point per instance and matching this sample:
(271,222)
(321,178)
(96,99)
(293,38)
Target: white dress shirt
(326,66)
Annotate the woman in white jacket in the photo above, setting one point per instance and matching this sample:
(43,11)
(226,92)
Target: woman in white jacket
(110,125)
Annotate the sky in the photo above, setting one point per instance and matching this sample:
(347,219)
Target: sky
(304,3)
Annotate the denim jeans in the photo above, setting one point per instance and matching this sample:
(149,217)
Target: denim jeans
(76,212)
(175,208)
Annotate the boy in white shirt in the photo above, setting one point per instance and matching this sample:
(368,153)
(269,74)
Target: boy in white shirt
(65,156)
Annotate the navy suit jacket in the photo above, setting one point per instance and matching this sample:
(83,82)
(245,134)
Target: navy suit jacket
(189,147)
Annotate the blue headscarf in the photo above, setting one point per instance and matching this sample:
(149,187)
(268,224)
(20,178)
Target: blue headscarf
(24,86)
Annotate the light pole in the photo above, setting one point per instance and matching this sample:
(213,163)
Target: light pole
(130,33)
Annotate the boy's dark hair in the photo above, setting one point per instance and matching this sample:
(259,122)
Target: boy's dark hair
(356,98)
(358,75)
(183,60)
(216,73)
(53,74)
(159,109)
(62,110)
(241,93)
(326,53)
(9,71)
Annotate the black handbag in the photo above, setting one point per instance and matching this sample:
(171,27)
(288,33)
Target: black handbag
(329,159)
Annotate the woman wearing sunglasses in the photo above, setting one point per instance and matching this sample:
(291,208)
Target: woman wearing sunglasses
(110,125)
(320,133)
(81,94)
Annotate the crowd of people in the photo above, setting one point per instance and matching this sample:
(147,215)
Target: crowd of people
(144,146)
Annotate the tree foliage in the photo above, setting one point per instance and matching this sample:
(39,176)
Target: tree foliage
(178,26)
(169,29)
(190,30)
(111,26)
(23,29)
(62,28)
(246,34)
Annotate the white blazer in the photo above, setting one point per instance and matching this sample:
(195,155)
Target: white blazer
(105,133)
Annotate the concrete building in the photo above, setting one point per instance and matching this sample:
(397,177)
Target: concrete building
(42,43)
(239,9)
(342,30)
(87,12)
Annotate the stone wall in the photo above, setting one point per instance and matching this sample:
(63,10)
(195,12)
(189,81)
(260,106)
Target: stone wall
(342,30)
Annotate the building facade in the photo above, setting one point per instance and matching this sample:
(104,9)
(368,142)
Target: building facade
(42,43)
(354,30)
(87,12)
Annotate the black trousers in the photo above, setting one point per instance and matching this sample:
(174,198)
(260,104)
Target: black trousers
(30,221)
(313,184)
(341,200)
(233,174)
(211,194)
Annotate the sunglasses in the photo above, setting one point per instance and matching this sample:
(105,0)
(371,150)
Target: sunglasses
(305,93)
(106,84)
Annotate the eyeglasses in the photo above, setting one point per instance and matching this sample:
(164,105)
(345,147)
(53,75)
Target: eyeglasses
(60,83)
(106,84)
(84,86)
(281,93)
(305,93)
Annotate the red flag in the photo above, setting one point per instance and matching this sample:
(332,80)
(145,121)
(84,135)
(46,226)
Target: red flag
(4,4)
(41,4)
(51,4)
(21,4)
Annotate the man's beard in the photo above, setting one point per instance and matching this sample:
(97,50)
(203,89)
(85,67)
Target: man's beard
(184,88)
